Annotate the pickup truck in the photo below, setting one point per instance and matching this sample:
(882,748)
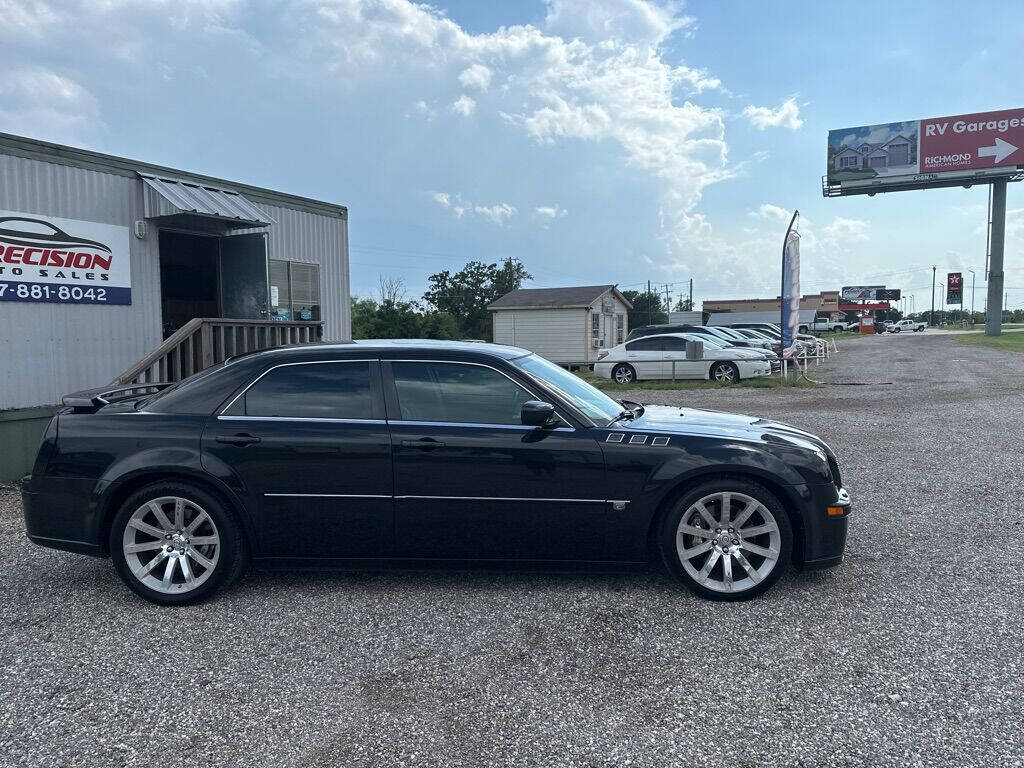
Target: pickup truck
(907,325)
(823,324)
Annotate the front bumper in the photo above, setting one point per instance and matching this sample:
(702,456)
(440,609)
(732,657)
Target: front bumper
(825,532)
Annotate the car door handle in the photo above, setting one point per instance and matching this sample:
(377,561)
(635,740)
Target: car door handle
(239,440)
(424,444)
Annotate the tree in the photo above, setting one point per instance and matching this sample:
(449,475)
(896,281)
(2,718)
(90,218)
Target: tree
(465,294)
(648,308)
(392,317)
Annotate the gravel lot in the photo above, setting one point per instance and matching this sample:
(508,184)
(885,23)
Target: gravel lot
(909,654)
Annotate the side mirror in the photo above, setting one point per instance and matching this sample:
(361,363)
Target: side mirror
(536,413)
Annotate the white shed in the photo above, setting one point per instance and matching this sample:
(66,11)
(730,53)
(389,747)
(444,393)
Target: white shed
(566,325)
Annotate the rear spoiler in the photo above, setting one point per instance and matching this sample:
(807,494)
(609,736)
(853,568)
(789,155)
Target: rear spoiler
(94,399)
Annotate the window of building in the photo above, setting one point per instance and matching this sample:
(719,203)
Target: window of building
(455,392)
(595,325)
(310,391)
(294,290)
(620,328)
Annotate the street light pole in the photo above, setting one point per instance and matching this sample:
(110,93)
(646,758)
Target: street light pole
(974,279)
(931,319)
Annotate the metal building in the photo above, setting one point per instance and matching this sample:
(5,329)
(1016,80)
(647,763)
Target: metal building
(103,260)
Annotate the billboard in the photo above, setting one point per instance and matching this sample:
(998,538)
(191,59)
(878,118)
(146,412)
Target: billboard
(889,294)
(923,152)
(955,288)
(861,292)
(65,261)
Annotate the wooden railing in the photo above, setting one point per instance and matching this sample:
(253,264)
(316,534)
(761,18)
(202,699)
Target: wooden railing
(206,341)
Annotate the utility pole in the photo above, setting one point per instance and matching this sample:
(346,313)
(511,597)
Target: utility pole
(650,309)
(931,319)
(994,319)
(668,299)
(690,306)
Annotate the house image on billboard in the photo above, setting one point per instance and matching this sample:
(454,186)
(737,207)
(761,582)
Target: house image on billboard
(895,152)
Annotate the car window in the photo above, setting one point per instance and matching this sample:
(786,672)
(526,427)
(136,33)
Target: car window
(457,392)
(310,391)
(674,344)
(646,344)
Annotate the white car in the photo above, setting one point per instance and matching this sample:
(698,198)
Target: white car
(651,357)
(905,325)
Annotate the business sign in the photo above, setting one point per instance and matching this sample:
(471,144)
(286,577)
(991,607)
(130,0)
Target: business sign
(790,289)
(67,261)
(923,152)
(861,292)
(955,288)
(889,294)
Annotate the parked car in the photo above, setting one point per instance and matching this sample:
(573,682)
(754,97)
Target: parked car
(716,332)
(906,325)
(405,451)
(652,357)
(822,324)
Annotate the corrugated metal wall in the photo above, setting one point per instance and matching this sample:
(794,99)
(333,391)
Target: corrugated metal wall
(50,349)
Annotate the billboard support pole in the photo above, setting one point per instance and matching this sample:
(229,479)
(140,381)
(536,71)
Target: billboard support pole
(931,317)
(994,318)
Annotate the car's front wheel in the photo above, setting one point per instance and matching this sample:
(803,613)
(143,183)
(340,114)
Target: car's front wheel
(895,330)
(624,374)
(724,372)
(174,543)
(727,539)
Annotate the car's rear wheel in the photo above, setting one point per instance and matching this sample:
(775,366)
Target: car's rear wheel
(727,539)
(624,374)
(174,543)
(724,372)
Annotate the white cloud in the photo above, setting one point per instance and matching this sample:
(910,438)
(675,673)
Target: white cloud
(771,212)
(464,105)
(498,213)
(45,104)
(845,231)
(476,76)
(550,212)
(786,116)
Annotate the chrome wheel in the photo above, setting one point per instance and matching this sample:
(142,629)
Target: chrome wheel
(623,374)
(171,545)
(724,372)
(728,542)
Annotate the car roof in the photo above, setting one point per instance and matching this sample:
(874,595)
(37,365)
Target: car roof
(427,346)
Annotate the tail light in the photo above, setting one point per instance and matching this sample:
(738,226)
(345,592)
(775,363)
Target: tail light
(602,354)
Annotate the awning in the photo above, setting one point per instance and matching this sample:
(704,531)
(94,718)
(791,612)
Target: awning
(173,197)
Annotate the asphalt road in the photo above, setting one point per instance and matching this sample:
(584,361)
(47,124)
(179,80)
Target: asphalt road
(908,654)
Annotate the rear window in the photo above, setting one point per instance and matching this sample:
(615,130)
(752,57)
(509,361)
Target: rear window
(334,390)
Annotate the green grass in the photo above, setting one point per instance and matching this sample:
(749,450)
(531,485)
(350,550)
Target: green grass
(1011,341)
(764,382)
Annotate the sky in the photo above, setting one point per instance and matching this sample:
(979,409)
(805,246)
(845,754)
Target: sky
(595,141)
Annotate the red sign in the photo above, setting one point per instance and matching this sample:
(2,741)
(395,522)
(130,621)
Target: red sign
(970,142)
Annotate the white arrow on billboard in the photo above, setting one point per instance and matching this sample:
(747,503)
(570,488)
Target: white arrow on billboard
(1000,150)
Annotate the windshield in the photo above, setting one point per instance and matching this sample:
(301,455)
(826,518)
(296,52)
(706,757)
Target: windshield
(593,402)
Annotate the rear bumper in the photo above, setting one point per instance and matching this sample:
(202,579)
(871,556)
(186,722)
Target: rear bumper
(59,515)
(824,533)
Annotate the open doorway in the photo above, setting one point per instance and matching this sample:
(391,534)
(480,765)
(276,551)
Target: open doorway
(212,276)
(189,278)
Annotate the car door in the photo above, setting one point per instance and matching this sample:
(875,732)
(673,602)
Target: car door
(471,481)
(306,447)
(646,357)
(675,351)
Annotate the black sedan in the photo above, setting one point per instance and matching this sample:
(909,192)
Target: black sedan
(407,451)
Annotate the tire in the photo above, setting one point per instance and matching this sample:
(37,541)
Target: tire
(678,537)
(137,532)
(624,373)
(895,330)
(726,373)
